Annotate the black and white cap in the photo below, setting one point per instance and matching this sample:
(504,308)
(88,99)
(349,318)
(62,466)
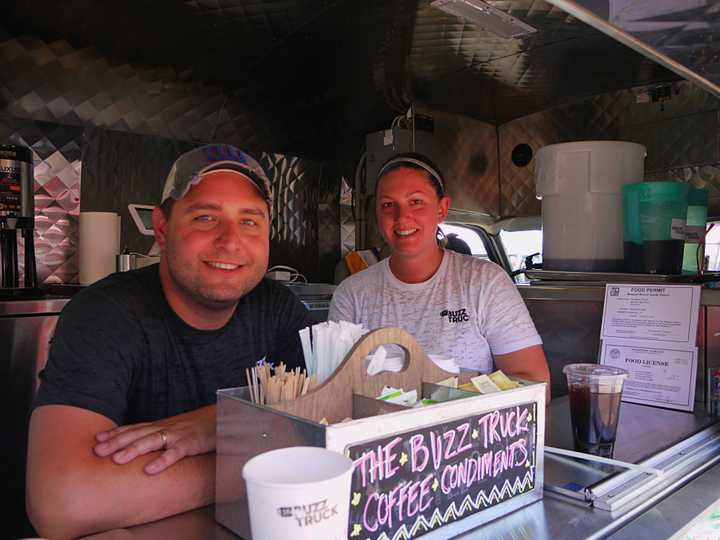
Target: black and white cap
(190,167)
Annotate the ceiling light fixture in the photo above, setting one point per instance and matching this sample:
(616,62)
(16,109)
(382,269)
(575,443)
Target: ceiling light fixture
(486,17)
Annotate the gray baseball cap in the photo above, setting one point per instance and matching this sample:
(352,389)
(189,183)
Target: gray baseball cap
(190,167)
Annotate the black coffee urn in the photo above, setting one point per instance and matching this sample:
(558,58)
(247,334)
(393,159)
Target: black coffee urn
(17,214)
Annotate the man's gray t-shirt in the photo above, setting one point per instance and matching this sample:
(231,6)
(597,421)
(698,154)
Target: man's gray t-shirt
(469,310)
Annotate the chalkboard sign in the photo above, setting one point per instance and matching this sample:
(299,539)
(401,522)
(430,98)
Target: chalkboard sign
(409,484)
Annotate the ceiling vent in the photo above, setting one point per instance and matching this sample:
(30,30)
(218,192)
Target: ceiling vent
(485,17)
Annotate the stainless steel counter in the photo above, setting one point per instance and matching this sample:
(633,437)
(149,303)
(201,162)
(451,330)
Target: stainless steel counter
(549,519)
(657,513)
(26,327)
(46,305)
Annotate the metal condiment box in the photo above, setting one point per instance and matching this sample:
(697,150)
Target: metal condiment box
(434,471)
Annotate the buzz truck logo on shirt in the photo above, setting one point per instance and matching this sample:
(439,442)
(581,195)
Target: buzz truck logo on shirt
(456,316)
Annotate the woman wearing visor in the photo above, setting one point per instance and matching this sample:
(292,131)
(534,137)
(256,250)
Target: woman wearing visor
(455,305)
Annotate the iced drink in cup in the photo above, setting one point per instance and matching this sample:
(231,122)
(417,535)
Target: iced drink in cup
(595,393)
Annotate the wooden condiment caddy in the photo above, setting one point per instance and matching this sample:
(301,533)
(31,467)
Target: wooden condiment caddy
(246,429)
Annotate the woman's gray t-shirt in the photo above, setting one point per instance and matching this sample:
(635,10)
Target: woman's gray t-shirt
(469,310)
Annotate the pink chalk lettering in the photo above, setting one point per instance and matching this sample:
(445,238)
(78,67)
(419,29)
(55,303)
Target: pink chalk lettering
(402,500)
(362,464)
(383,509)
(487,465)
(413,506)
(373,525)
(521,446)
(464,429)
(499,462)
(436,447)
(506,425)
(390,456)
(447,479)
(378,464)
(419,454)
(522,421)
(449,437)
(483,423)
(425,495)
(494,421)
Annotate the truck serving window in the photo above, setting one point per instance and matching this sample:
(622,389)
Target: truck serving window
(521,244)
(712,248)
(467,235)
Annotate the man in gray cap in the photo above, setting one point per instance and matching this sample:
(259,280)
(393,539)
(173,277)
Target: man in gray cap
(123,427)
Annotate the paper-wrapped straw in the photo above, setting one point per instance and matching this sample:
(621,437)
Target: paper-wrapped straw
(326,345)
(307,350)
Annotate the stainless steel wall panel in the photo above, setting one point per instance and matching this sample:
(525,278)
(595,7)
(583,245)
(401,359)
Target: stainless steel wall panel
(347,219)
(120,168)
(328,241)
(294,230)
(570,332)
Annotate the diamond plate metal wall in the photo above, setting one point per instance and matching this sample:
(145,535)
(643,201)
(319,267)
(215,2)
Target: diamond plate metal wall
(51,90)
(57,170)
(122,168)
(294,230)
(466,151)
(347,219)
(56,82)
(682,132)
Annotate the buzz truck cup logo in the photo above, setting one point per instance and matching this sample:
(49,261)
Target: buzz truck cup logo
(310,514)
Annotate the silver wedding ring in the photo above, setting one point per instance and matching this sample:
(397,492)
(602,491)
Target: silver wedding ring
(163,435)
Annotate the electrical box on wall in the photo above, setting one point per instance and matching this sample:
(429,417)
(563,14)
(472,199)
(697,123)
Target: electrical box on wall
(382,145)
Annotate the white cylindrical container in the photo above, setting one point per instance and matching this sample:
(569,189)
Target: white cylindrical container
(580,184)
(99,243)
(300,492)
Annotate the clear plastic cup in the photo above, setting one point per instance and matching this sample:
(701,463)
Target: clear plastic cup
(300,492)
(595,392)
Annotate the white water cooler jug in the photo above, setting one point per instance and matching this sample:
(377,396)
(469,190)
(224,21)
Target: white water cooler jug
(580,185)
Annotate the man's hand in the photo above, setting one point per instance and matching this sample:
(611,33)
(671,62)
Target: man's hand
(187,434)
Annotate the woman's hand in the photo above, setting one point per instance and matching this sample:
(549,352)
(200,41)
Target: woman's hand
(187,434)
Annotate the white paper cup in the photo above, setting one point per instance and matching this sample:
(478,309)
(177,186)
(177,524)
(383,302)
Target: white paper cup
(301,492)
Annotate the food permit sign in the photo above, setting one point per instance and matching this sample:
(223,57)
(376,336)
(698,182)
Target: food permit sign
(650,330)
(409,484)
(658,313)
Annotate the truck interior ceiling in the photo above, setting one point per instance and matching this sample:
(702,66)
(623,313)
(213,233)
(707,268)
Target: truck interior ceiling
(323,90)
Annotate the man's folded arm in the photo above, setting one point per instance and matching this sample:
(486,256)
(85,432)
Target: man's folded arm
(73,492)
